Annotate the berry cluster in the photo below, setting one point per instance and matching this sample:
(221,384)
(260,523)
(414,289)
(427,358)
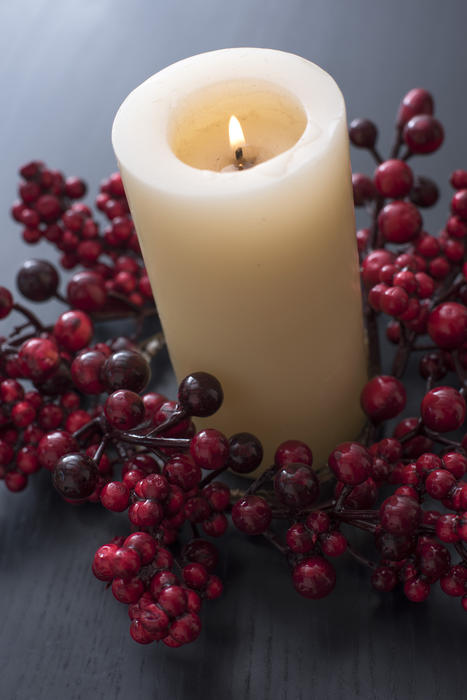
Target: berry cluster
(162,605)
(91,421)
(48,208)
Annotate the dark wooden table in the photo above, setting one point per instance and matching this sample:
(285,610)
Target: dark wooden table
(64,69)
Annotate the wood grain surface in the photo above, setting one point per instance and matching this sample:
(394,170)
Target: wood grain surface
(65,66)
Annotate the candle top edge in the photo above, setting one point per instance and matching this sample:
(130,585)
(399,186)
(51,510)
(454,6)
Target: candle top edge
(141,125)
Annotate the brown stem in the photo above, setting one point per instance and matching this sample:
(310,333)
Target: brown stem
(151,441)
(374,351)
(403,353)
(61,298)
(460,549)
(213,475)
(261,480)
(342,496)
(84,428)
(360,558)
(397,143)
(178,415)
(100,450)
(29,315)
(271,537)
(375,153)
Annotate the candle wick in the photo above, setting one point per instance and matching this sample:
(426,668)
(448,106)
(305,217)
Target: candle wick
(239,153)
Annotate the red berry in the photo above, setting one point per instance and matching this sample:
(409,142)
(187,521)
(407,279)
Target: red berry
(217,495)
(384,579)
(54,445)
(183,471)
(416,589)
(127,591)
(318,521)
(86,371)
(251,515)
(139,633)
(172,600)
(333,544)
(383,397)
(299,539)
(293,451)
(40,356)
(350,462)
(446,528)
(115,496)
(455,463)
(124,409)
(126,563)
(214,587)
(447,325)
(416,101)
(400,222)
(102,566)
(443,409)
(439,483)
(423,134)
(86,291)
(393,178)
(144,544)
(399,515)
(195,575)
(186,628)
(209,449)
(314,577)
(372,265)
(146,513)
(73,330)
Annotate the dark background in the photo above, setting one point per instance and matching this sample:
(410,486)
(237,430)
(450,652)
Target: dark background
(64,69)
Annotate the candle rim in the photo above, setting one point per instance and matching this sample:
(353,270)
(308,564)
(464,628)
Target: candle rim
(176,176)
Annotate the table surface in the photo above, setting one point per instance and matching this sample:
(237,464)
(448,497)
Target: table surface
(64,69)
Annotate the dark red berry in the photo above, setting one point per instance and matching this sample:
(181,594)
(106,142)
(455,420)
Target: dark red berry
(75,476)
(37,280)
(251,515)
(296,485)
(200,394)
(126,369)
(314,577)
(245,453)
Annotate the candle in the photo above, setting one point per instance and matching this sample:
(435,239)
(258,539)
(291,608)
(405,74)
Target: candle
(254,270)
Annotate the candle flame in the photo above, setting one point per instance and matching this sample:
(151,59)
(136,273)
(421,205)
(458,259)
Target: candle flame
(236,136)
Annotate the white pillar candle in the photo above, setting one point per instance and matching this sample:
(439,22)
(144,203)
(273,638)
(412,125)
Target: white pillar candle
(255,272)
